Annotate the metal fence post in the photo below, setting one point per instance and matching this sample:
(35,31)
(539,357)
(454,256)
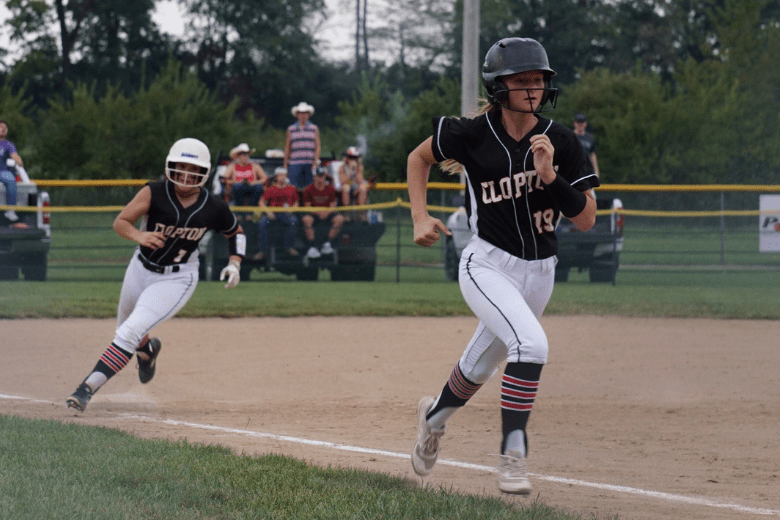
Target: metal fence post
(398,244)
(722,227)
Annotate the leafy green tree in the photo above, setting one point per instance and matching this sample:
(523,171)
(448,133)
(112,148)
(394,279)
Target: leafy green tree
(713,122)
(392,126)
(259,52)
(106,42)
(120,137)
(20,127)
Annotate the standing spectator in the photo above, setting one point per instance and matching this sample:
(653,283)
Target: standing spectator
(353,185)
(320,194)
(302,149)
(588,142)
(522,171)
(243,177)
(8,151)
(163,273)
(280,194)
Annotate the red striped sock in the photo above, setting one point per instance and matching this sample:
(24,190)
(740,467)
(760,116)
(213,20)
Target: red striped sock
(112,361)
(461,387)
(518,393)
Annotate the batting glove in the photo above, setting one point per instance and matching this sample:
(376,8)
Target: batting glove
(231,272)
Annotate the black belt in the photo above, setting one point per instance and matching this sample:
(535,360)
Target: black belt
(157,268)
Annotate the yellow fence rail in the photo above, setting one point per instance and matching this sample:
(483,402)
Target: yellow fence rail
(394,186)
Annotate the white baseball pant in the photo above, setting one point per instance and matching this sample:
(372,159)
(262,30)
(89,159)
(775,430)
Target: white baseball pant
(508,295)
(149,298)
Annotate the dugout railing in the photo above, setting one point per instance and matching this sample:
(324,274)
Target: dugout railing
(701,227)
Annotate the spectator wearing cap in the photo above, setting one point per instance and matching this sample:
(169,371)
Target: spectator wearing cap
(7,177)
(588,142)
(353,186)
(320,194)
(302,149)
(243,177)
(280,194)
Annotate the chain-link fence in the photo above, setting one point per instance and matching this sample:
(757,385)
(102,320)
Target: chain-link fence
(702,227)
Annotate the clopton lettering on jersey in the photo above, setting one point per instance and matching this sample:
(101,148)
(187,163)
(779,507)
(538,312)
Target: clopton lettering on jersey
(528,179)
(187,233)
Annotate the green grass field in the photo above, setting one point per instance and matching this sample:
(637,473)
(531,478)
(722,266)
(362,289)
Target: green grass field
(679,293)
(54,470)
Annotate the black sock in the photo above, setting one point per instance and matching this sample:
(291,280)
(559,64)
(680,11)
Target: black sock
(456,392)
(518,392)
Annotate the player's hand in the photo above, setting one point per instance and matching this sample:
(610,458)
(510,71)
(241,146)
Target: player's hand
(543,151)
(231,272)
(152,239)
(426,231)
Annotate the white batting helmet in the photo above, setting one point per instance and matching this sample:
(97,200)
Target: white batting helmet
(190,151)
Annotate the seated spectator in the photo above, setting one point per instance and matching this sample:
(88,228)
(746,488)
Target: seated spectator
(280,194)
(320,194)
(353,186)
(7,177)
(243,177)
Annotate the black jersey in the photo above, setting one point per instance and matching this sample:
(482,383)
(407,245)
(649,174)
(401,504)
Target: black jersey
(506,201)
(183,227)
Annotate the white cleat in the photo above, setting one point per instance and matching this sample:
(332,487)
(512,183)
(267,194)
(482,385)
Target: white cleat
(512,475)
(326,249)
(426,449)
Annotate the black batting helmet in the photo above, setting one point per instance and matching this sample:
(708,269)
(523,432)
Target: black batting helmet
(511,56)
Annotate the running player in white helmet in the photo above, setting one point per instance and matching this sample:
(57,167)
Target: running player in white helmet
(163,272)
(522,172)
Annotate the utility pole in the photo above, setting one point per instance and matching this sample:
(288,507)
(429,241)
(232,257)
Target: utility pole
(469,72)
(470,66)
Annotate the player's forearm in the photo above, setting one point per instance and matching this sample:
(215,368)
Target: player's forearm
(587,217)
(127,230)
(418,168)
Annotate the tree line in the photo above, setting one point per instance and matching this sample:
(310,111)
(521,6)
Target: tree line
(675,92)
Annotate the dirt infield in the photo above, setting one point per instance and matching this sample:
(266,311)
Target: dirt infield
(641,418)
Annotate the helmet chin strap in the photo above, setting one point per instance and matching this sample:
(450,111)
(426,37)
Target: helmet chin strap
(528,98)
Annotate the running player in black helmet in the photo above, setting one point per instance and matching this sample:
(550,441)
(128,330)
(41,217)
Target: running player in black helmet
(522,172)
(163,272)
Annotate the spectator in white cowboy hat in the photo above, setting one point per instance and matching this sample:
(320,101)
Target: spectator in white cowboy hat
(243,177)
(302,150)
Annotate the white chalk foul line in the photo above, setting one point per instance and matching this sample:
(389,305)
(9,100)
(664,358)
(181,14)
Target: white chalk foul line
(465,465)
(447,462)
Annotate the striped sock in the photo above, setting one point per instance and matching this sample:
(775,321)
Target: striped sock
(518,392)
(112,361)
(455,394)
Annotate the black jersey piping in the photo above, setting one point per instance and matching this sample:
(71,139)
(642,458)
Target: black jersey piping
(583,178)
(468,270)
(178,216)
(514,207)
(169,313)
(527,203)
(438,138)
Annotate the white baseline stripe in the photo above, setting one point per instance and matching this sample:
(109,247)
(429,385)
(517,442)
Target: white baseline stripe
(447,462)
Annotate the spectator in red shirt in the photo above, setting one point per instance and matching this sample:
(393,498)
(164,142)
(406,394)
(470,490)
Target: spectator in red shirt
(320,194)
(280,194)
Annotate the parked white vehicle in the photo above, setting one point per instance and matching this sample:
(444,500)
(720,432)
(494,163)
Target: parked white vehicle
(596,250)
(25,244)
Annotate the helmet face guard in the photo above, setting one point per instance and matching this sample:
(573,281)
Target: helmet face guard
(512,56)
(189,151)
(184,178)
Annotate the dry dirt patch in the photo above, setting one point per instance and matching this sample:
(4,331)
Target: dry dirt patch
(682,413)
